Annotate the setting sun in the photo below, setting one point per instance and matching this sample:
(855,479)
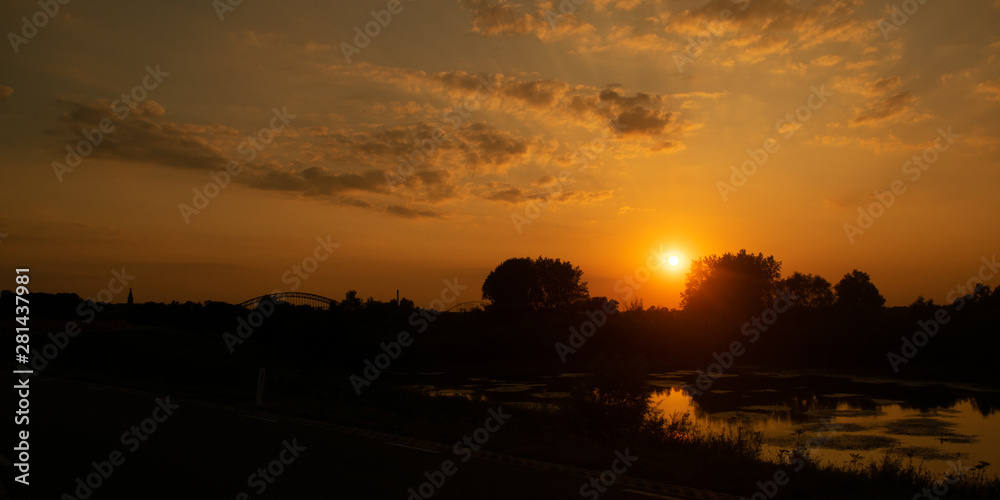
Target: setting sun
(674,261)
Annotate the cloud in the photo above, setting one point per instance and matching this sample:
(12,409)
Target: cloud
(628,39)
(991,89)
(545,181)
(5,92)
(877,145)
(863,84)
(315,181)
(667,147)
(639,120)
(897,108)
(538,93)
(427,160)
(771,26)
(883,85)
(621,5)
(501,18)
(508,194)
(753,48)
(826,60)
(411,109)
(630,116)
(856,65)
(635,114)
(981,141)
(143,137)
(411,213)
(585,197)
(345,166)
(433,158)
(312,46)
(767,26)
(543,20)
(494,149)
(627,209)
(469,149)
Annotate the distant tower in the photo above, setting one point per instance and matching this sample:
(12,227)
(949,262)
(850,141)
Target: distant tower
(129,296)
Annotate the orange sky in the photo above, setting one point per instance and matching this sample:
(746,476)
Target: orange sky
(590,135)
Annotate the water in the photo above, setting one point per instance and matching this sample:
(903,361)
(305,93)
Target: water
(866,426)
(931,423)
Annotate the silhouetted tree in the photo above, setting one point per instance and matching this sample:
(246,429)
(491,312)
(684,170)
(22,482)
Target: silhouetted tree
(810,291)
(535,284)
(857,290)
(351,301)
(922,305)
(737,284)
(595,303)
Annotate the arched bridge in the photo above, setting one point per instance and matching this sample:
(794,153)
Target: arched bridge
(321,302)
(294,298)
(467,306)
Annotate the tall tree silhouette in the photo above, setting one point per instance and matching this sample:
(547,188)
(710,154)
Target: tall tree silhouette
(809,291)
(856,289)
(739,284)
(534,284)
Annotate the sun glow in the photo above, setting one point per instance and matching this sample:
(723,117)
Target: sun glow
(673,261)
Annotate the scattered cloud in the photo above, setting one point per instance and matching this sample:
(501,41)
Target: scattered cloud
(990,89)
(543,20)
(867,85)
(142,136)
(508,194)
(411,213)
(627,209)
(877,145)
(826,60)
(897,108)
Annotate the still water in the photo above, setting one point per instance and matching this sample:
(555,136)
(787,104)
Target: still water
(931,423)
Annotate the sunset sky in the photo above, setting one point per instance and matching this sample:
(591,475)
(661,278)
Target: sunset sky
(591,135)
